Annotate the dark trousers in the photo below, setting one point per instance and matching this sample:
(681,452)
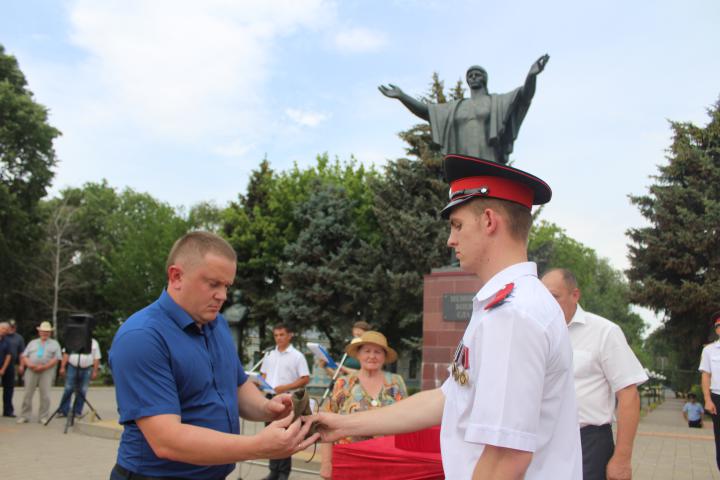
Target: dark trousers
(597,448)
(716,427)
(695,423)
(280,469)
(8,384)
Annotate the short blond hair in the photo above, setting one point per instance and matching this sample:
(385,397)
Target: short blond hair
(519,217)
(196,245)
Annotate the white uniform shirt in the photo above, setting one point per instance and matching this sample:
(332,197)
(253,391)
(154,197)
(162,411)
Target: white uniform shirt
(604,363)
(520,392)
(85,360)
(281,368)
(710,363)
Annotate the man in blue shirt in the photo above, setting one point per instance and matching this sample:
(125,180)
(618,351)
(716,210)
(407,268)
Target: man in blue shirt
(693,412)
(180,386)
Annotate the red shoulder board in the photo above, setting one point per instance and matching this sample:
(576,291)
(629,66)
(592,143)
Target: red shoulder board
(500,296)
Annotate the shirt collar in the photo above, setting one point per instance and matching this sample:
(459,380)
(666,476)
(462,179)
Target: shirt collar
(289,349)
(181,318)
(579,316)
(503,277)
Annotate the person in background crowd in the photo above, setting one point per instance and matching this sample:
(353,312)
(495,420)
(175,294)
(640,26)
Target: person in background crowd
(80,368)
(710,373)
(16,344)
(38,361)
(369,388)
(605,369)
(351,364)
(285,369)
(693,412)
(5,363)
(179,383)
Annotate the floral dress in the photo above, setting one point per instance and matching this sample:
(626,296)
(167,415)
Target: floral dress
(349,396)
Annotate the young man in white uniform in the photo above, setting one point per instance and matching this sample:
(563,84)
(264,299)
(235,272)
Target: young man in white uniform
(710,370)
(508,409)
(606,371)
(285,369)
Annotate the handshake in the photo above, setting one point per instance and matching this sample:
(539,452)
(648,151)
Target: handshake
(295,427)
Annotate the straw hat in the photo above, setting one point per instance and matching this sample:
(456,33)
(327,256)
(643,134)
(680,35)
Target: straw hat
(373,338)
(45,327)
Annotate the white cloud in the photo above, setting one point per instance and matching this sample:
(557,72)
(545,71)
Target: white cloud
(237,148)
(306,118)
(359,40)
(185,70)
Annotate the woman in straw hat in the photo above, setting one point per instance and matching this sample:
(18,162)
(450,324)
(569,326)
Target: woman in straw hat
(368,388)
(39,360)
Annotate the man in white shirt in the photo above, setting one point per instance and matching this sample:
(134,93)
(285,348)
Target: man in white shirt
(508,409)
(285,369)
(78,369)
(606,369)
(710,371)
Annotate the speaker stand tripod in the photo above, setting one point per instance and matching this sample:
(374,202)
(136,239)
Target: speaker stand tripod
(77,391)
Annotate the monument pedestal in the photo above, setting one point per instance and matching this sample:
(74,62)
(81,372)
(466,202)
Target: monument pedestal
(447,307)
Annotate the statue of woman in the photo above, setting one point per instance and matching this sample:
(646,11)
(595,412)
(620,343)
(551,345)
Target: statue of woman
(484,125)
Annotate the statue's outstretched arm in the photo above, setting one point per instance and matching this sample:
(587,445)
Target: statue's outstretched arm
(415,106)
(528,90)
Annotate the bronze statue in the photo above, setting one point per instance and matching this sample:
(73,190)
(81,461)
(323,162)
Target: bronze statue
(484,125)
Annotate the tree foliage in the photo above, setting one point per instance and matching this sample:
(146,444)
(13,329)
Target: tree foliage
(326,267)
(675,261)
(27,158)
(264,221)
(604,290)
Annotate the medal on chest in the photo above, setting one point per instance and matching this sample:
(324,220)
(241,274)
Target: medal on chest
(461,364)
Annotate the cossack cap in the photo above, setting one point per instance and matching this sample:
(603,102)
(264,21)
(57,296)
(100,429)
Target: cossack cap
(471,177)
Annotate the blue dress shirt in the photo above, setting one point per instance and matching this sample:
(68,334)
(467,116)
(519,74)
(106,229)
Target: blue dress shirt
(163,364)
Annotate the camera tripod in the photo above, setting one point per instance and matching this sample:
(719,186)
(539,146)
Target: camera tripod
(77,391)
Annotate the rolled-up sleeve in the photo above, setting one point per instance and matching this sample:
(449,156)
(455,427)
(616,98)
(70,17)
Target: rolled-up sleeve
(512,360)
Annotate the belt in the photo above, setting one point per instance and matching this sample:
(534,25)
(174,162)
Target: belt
(595,428)
(125,473)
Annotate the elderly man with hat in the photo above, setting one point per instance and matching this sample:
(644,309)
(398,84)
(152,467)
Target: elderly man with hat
(710,371)
(38,361)
(508,408)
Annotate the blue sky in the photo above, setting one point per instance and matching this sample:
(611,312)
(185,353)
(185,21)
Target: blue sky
(183,99)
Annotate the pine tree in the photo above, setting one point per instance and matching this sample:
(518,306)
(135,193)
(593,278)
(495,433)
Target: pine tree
(675,261)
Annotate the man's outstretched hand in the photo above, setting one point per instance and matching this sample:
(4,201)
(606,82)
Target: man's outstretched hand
(285,437)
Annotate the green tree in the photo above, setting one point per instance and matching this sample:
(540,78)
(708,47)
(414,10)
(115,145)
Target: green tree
(675,261)
(604,290)
(263,222)
(143,230)
(256,229)
(26,161)
(325,268)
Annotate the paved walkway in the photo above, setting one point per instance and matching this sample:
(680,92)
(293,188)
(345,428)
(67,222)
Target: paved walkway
(664,448)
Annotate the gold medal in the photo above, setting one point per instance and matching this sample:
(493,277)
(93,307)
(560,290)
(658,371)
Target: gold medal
(463,378)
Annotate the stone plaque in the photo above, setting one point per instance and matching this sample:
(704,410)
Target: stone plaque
(457,307)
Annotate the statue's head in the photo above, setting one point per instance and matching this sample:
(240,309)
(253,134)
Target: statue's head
(476,77)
